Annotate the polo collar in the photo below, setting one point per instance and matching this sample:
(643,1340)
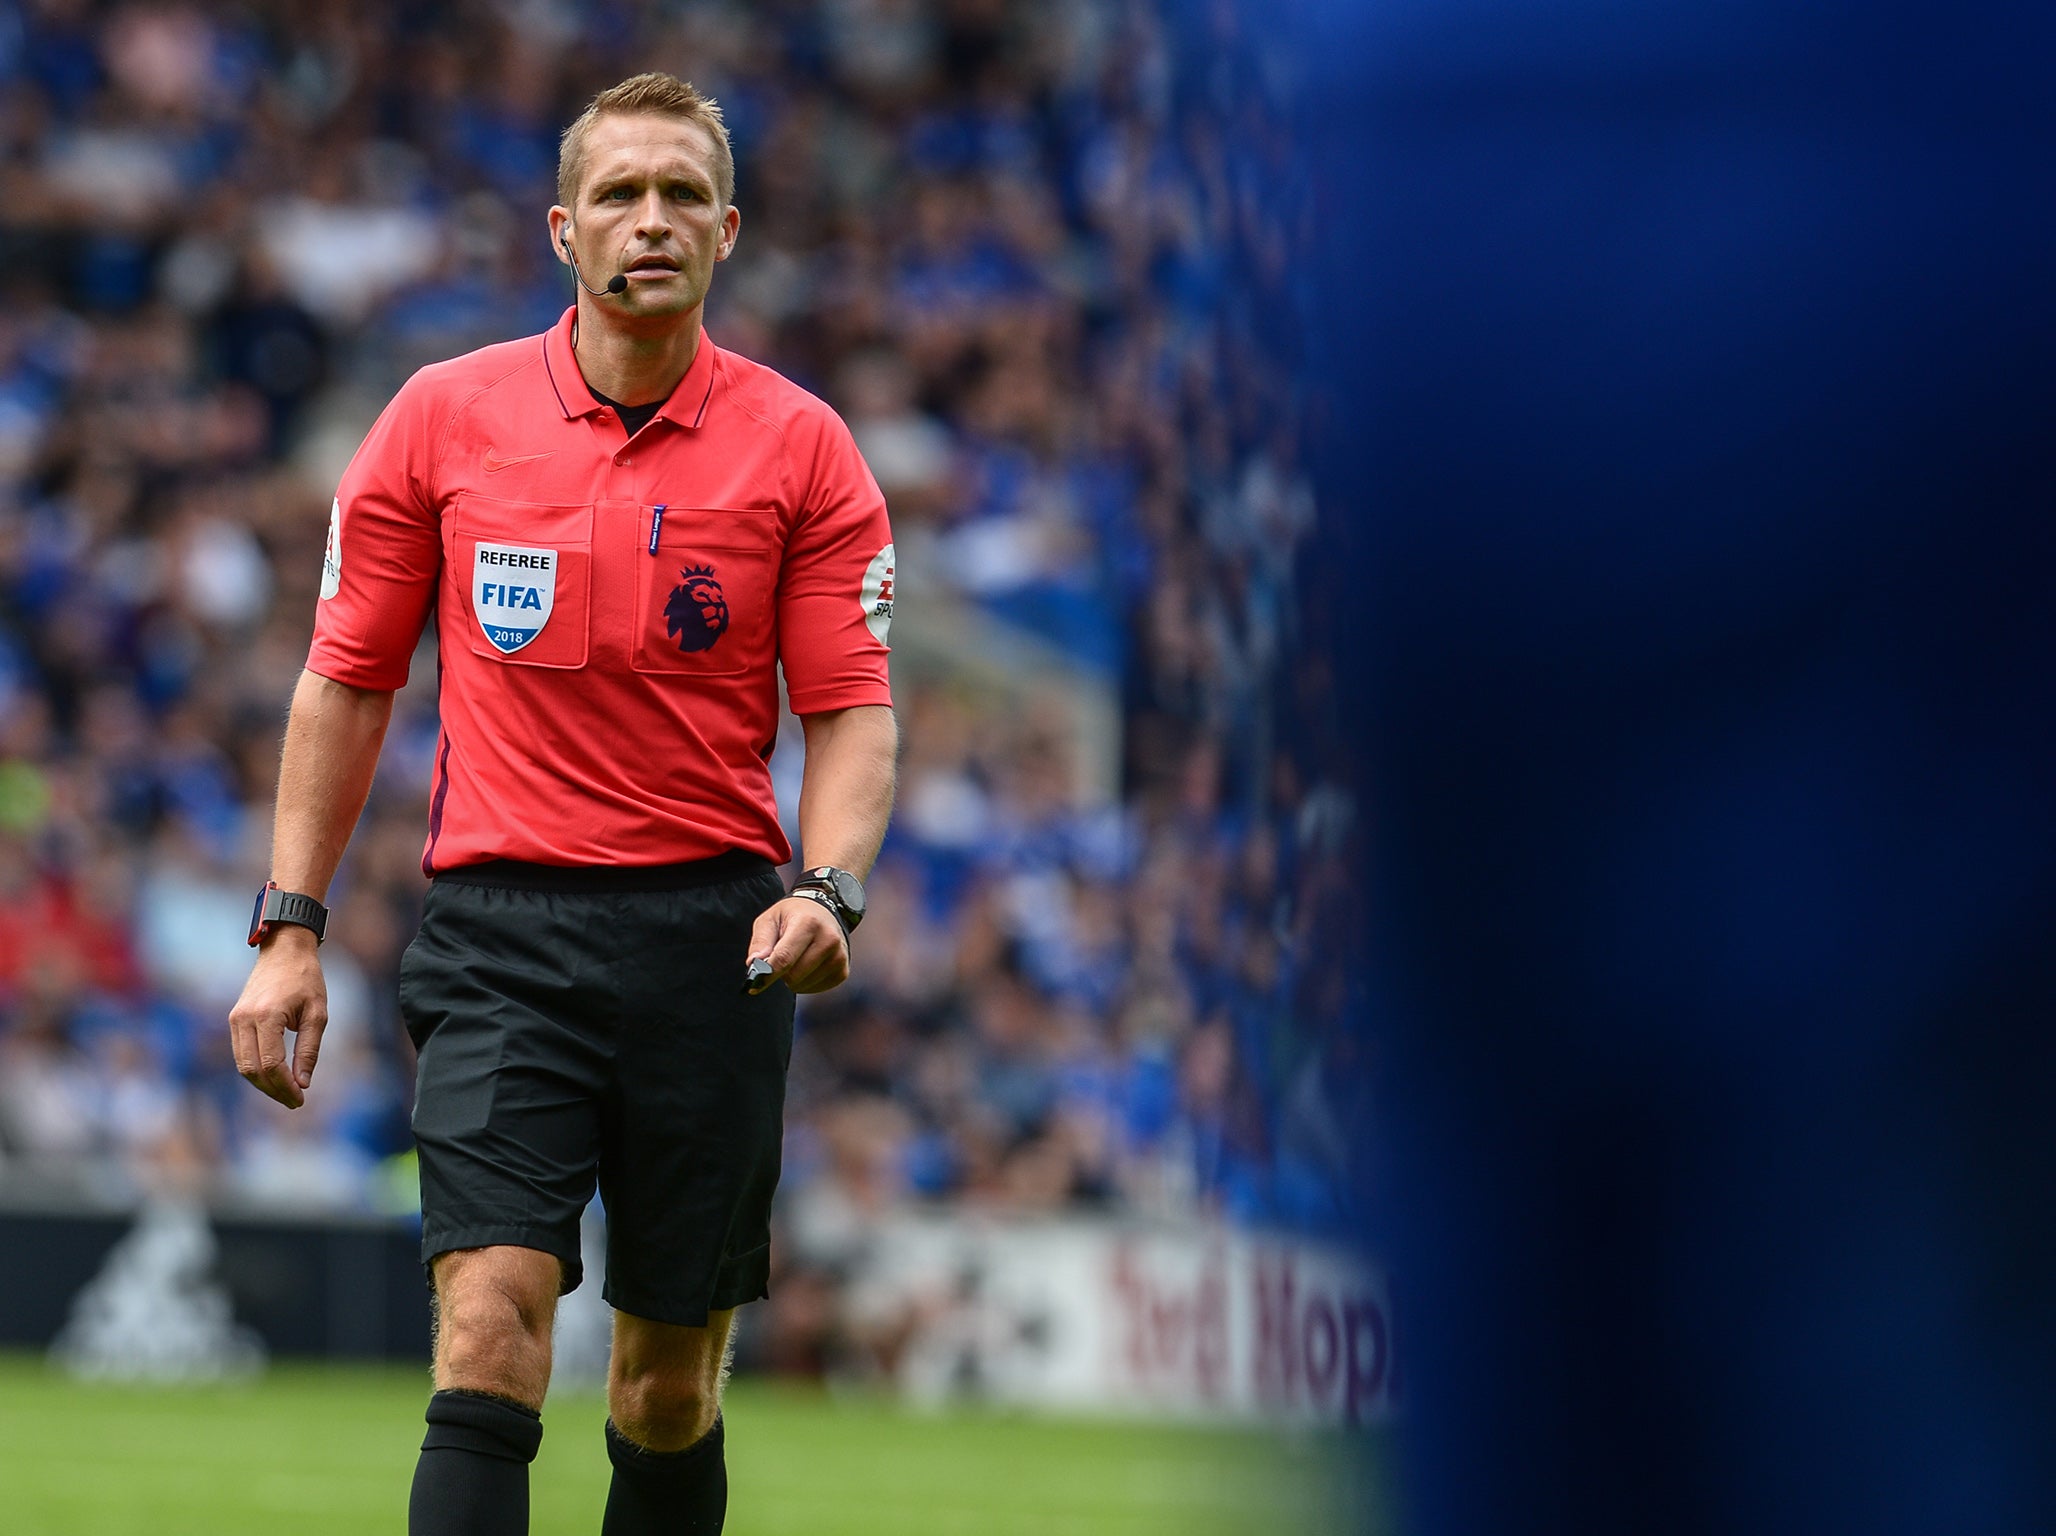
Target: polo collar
(687,406)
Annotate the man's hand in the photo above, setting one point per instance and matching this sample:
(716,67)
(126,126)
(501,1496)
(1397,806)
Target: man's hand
(285,991)
(804,944)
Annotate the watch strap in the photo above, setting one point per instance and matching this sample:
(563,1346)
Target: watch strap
(820,897)
(827,880)
(276,906)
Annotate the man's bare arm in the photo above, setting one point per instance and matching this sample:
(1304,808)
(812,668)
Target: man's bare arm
(333,736)
(847,788)
(845,801)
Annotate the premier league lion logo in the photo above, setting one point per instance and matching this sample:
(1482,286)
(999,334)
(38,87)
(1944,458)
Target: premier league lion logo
(697,612)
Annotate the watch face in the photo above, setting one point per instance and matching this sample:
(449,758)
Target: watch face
(848,890)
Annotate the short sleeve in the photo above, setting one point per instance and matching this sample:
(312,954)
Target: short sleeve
(835,592)
(384,553)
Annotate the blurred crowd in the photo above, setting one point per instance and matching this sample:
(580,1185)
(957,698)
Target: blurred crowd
(1045,269)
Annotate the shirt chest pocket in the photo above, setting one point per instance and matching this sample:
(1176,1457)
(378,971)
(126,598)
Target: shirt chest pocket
(525,570)
(708,591)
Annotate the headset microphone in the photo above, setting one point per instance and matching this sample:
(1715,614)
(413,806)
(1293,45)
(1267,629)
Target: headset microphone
(616,284)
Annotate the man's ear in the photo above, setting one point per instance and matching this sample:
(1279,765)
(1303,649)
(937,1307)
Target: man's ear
(560,232)
(731,223)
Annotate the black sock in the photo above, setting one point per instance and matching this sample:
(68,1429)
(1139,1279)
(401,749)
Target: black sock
(472,1479)
(679,1493)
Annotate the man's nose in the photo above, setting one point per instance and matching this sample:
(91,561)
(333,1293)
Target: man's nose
(652,218)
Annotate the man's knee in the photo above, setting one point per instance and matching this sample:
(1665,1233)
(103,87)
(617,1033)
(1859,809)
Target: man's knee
(494,1311)
(665,1411)
(664,1385)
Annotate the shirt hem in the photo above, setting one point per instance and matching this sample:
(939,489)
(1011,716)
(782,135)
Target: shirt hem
(353,677)
(839,698)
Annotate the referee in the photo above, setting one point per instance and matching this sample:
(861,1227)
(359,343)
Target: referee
(622,532)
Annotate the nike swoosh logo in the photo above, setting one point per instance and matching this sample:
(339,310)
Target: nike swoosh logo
(494,463)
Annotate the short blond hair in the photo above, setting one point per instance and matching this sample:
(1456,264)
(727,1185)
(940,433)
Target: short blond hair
(653,95)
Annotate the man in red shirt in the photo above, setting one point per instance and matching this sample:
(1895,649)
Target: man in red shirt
(623,532)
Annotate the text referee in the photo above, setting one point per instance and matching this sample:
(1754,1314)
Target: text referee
(622,532)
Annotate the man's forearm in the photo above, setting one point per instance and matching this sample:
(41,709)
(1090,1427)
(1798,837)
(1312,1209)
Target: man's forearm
(333,736)
(846,791)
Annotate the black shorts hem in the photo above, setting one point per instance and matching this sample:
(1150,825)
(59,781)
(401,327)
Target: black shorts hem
(451,1239)
(742,1279)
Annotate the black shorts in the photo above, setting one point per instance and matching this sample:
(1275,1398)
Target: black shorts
(575,1024)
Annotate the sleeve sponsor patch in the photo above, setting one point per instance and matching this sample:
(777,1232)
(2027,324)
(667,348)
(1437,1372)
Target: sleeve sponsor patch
(877,592)
(332,556)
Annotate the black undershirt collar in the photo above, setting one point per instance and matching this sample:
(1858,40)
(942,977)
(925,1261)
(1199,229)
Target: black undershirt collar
(633,417)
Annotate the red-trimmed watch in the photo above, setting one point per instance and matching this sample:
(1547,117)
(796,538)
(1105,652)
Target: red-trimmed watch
(275,906)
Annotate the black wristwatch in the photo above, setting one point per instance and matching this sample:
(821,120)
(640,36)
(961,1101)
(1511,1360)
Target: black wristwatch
(837,889)
(275,906)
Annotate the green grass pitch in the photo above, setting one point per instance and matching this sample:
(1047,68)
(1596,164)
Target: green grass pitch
(324,1451)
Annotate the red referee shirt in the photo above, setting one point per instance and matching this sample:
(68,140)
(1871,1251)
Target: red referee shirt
(610,609)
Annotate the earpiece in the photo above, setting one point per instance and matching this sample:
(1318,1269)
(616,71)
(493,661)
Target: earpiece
(615,284)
